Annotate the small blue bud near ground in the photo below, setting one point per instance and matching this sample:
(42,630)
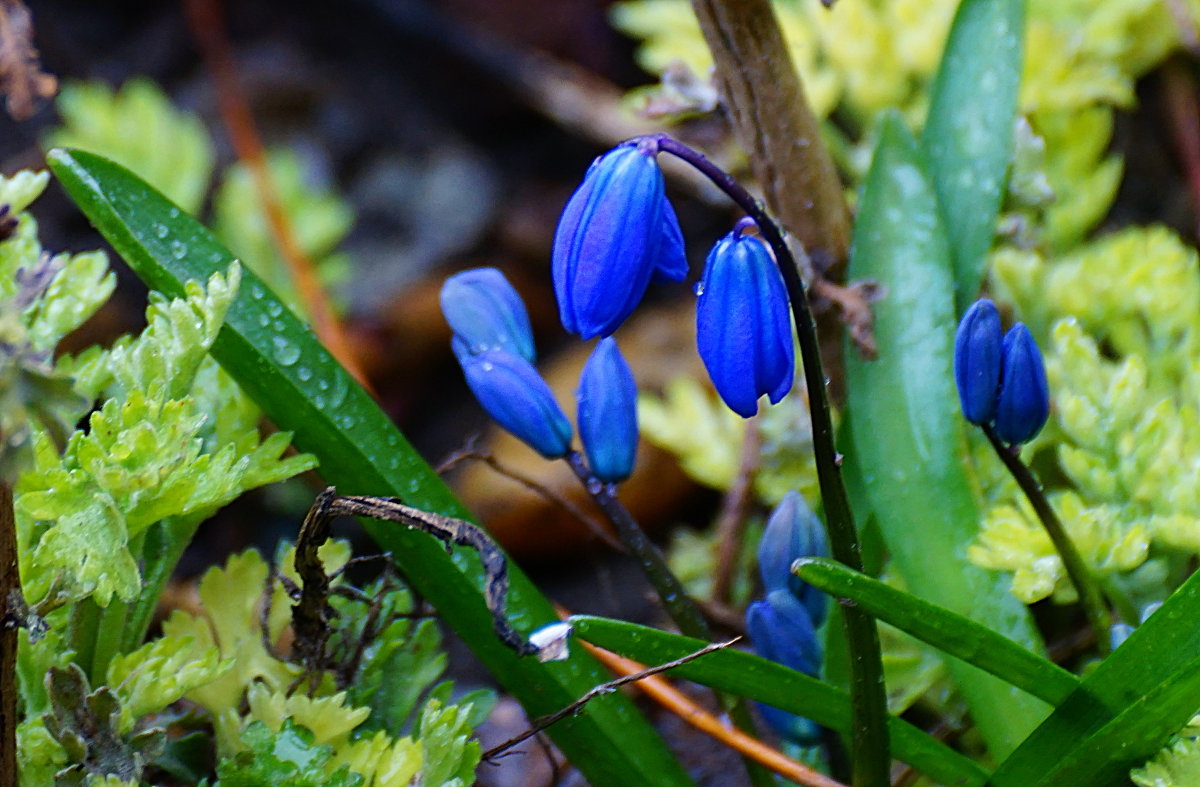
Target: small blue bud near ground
(616,232)
(977,361)
(1023,404)
(781,630)
(743,324)
(516,397)
(607,414)
(792,532)
(484,310)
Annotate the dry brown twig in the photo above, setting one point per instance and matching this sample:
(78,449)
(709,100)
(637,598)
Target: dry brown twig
(21,77)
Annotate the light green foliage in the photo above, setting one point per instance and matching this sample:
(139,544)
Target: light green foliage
(1013,540)
(160,672)
(1177,765)
(287,757)
(1082,59)
(138,128)
(691,422)
(360,726)
(143,458)
(42,299)
(450,753)
(319,220)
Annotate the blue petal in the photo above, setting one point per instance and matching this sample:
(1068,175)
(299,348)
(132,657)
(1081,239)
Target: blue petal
(792,532)
(781,630)
(977,361)
(517,398)
(1024,401)
(671,258)
(484,310)
(610,240)
(607,399)
(743,326)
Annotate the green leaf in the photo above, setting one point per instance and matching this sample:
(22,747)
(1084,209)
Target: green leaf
(765,681)
(968,133)
(450,753)
(138,126)
(1146,689)
(906,431)
(301,387)
(956,635)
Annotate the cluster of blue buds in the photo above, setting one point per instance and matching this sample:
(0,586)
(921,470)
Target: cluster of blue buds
(1001,377)
(782,626)
(493,343)
(618,232)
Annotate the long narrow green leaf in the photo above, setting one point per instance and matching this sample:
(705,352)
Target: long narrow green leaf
(771,683)
(948,631)
(968,134)
(277,360)
(907,434)
(1160,652)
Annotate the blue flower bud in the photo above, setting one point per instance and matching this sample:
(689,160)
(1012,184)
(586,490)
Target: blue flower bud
(1024,401)
(977,361)
(743,326)
(607,399)
(780,630)
(793,531)
(516,396)
(616,231)
(484,311)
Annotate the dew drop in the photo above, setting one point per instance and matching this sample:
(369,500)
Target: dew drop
(215,258)
(161,230)
(285,352)
(594,486)
(275,308)
(347,422)
(264,320)
(323,384)
(256,292)
(173,213)
(304,373)
(178,249)
(699,288)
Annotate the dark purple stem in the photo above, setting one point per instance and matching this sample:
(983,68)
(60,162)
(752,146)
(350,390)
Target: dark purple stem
(870,740)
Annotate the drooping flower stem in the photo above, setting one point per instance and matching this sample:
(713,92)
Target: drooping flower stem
(869,751)
(678,603)
(1085,584)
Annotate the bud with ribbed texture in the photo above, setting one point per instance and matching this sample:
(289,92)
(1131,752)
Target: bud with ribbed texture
(617,230)
(607,398)
(1023,404)
(977,348)
(743,326)
(793,531)
(485,312)
(515,395)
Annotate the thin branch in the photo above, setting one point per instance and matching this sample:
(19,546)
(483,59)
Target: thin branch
(869,743)
(1085,584)
(471,452)
(662,692)
(731,522)
(207,26)
(543,722)
(679,604)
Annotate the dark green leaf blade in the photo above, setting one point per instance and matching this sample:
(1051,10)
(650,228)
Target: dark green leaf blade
(1159,652)
(303,389)
(907,433)
(952,633)
(968,135)
(765,681)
